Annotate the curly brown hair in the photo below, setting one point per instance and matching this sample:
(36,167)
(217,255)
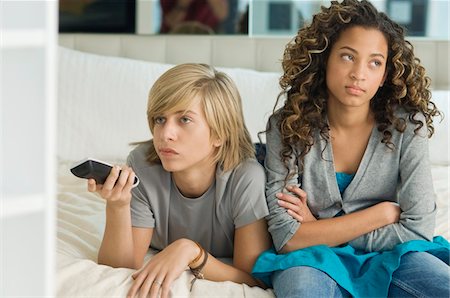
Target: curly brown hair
(304,79)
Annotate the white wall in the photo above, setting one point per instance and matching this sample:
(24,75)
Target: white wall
(438,25)
(148,16)
(28,31)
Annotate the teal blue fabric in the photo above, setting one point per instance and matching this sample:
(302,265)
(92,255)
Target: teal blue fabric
(343,180)
(361,274)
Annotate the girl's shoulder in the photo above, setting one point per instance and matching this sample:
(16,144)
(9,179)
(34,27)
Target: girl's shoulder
(401,112)
(412,122)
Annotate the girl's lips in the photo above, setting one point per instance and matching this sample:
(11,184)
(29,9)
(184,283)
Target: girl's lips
(354,90)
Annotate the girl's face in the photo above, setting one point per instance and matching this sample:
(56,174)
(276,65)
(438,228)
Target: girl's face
(356,67)
(182,139)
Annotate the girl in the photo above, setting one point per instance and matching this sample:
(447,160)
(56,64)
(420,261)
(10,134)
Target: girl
(201,192)
(350,147)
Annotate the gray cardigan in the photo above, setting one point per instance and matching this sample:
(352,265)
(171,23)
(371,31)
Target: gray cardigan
(402,175)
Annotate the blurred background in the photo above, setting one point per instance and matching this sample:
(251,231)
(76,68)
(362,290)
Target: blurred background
(427,18)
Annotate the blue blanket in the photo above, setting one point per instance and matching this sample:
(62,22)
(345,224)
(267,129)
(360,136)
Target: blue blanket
(361,274)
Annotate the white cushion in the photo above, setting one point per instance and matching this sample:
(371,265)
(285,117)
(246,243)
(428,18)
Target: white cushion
(259,91)
(103,99)
(102,102)
(440,141)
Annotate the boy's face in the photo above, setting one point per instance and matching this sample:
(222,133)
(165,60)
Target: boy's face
(182,140)
(356,66)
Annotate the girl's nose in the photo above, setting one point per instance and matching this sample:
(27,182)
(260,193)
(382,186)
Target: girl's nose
(358,72)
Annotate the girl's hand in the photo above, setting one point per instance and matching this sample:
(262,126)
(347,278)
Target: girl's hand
(391,211)
(296,206)
(157,276)
(117,189)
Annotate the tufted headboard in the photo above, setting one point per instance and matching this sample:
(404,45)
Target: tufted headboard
(257,53)
(262,54)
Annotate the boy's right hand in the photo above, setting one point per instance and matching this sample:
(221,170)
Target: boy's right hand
(117,189)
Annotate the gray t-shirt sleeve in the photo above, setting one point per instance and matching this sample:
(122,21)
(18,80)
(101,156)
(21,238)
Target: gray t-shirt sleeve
(416,196)
(141,212)
(282,226)
(248,198)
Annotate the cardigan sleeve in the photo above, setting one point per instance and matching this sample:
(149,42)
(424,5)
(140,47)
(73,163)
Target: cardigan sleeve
(282,226)
(415,195)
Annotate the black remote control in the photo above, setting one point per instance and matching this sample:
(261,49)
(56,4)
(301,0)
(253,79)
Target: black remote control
(96,169)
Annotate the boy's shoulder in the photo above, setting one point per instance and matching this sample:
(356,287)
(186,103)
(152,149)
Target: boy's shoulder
(250,168)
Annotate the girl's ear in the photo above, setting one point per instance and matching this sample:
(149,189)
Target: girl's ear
(384,79)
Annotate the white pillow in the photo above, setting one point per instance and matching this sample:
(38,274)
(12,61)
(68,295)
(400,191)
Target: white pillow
(102,102)
(259,91)
(440,141)
(102,105)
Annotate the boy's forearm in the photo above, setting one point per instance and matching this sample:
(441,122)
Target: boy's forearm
(216,270)
(116,249)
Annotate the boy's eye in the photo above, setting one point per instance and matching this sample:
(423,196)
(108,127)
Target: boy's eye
(185,120)
(159,120)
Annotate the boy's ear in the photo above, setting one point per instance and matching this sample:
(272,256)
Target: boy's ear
(217,142)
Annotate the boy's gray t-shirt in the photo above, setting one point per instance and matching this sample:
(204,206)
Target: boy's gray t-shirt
(235,199)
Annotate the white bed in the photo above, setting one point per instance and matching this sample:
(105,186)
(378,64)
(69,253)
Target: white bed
(101,109)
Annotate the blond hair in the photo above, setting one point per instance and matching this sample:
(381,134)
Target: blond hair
(177,89)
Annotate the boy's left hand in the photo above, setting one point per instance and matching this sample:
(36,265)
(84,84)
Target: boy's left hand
(155,278)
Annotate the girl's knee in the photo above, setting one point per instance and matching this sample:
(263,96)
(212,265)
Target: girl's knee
(303,280)
(425,261)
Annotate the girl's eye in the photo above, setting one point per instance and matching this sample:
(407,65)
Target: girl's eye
(159,120)
(347,57)
(185,120)
(376,63)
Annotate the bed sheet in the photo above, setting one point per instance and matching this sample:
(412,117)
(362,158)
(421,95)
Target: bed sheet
(80,227)
(81,220)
